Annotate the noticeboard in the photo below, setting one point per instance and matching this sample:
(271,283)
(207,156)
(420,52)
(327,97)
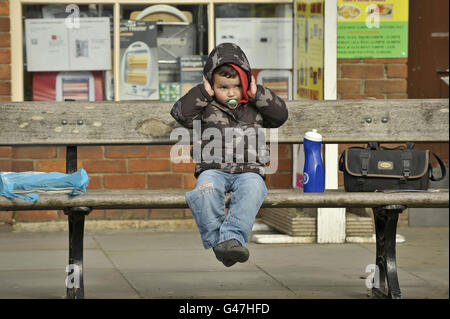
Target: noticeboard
(372,29)
(52,45)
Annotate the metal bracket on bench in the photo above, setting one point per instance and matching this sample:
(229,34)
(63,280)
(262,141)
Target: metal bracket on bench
(386,218)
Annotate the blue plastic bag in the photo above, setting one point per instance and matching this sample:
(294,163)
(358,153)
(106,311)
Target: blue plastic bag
(28,185)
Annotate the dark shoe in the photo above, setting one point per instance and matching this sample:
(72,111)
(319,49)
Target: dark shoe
(231,251)
(237,252)
(220,252)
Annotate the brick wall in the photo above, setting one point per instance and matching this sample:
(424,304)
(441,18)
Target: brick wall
(5,52)
(375,78)
(120,167)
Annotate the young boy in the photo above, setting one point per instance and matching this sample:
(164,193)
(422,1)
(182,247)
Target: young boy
(228,99)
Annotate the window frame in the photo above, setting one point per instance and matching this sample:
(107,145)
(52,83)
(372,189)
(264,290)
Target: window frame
(17,73)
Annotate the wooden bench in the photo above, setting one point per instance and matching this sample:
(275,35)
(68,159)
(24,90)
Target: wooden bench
(72,124)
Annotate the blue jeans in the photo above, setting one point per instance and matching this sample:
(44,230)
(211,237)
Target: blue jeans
(207,203)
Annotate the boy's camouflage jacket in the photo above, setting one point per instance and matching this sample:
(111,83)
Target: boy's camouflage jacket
(265,109)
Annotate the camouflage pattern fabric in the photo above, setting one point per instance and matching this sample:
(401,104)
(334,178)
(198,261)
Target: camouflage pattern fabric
(231,139)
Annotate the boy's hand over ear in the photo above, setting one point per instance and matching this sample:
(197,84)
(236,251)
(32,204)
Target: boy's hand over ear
(208,87)
(252,89)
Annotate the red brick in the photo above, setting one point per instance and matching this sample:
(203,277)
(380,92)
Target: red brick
(184,167)
(341,61)
(5,98)
(284,151)
(268,179)
(166,213)
(96,214)
(95,182)
(126,151)
(36,215)
(148,165)
(5,40)
(362,71)
(84,152)
(4,8)
(5,151)
(348,86)
(34,152)
(397,71)
(22,166)
(352,96)
(51,166)
(5,165)
(340,178)
(281,180)
(156,181)
(6,217)
(386,60)
(5,72)
(284,165)
(5,88)
(189,181)
(398,96)
(159,150)
(104,166)
(4,24)
(386,86)
(188,213)
(126,214)
(5,56)
(124,181)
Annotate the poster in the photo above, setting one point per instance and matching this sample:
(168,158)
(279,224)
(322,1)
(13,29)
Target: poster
(139,72)
(372,29)
(267,42)
(52,46)
(309,68)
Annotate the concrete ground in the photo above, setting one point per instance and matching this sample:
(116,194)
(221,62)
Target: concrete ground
(134,264)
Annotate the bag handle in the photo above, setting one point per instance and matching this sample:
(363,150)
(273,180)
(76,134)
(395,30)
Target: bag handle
(443,169)
(376,146)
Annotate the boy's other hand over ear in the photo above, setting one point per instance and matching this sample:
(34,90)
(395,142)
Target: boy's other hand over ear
(252,89)
(208,87)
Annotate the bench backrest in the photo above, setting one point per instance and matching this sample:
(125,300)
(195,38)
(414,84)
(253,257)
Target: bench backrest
(149,122)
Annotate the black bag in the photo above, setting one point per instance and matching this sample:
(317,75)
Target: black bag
(373,168)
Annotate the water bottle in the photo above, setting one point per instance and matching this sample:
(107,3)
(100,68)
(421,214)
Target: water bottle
(313,172)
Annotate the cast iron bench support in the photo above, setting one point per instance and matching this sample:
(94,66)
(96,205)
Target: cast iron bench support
(386,218)
(76,217)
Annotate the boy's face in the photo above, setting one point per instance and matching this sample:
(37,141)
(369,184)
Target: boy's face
(227,88)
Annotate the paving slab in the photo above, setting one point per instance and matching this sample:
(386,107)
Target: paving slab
(139,264)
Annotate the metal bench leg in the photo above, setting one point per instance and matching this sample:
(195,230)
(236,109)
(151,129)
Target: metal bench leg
(74,281)
(386,218)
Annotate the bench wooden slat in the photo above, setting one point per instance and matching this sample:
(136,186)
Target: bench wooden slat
(286,198)
(149,122)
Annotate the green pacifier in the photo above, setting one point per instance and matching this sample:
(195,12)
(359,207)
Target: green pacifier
(232,103)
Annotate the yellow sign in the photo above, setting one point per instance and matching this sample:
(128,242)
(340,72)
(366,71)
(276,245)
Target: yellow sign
(309,68)
(370,11)
(372,29)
